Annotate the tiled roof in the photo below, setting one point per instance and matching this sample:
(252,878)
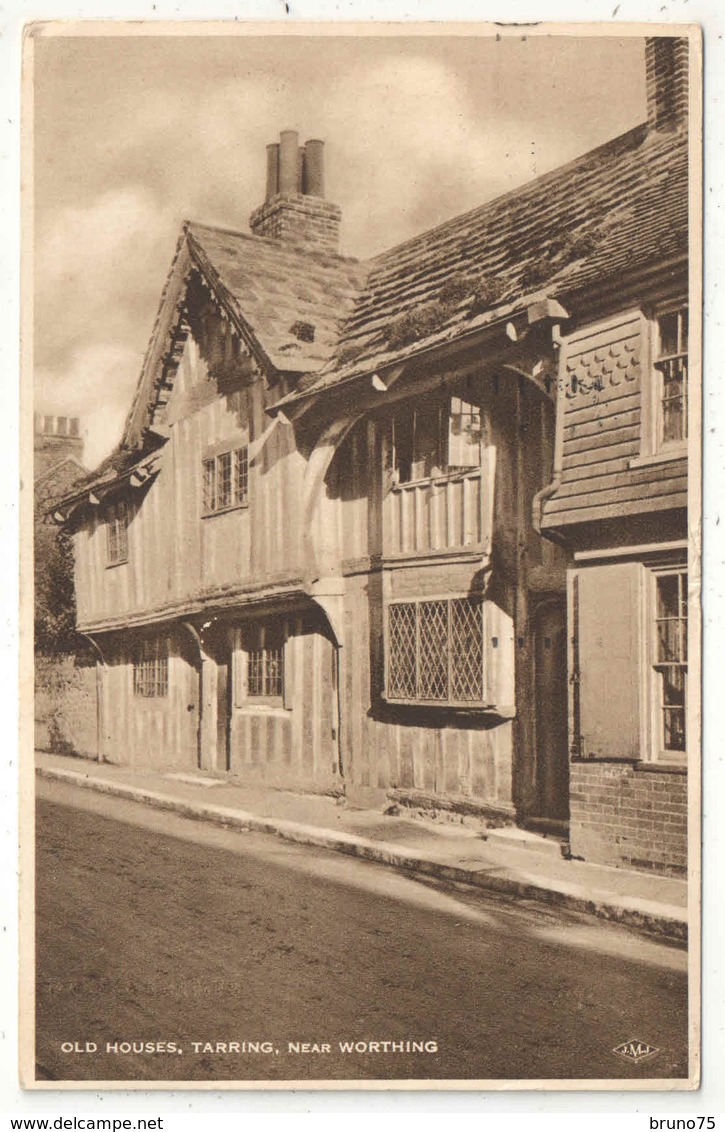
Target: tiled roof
(618,207)
(294,301)
(330,319)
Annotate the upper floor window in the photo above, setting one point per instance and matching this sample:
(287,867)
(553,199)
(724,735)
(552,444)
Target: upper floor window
(669,649)
(435,651)
(436,437)
(117,533)
(670,365)
(226,480)
(151,669)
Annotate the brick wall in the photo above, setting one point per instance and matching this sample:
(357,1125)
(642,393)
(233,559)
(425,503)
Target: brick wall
(307,221)
(65,706)
(627,816)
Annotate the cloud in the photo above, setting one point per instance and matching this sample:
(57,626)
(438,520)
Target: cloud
(96,385)
(135,134)
(99,272)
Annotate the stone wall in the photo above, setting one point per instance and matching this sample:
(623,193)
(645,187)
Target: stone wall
(65,706)
(629,815)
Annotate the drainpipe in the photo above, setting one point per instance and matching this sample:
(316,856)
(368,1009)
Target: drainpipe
(338,721)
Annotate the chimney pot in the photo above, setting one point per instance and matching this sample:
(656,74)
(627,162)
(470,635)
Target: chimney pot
(288,163)
(294,210)
(272,170)
(314,183)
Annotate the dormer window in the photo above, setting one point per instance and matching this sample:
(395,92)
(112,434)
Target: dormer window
(117,533)
(436,438)
(670,366)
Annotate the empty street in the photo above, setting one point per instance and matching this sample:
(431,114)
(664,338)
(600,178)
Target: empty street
(170,950)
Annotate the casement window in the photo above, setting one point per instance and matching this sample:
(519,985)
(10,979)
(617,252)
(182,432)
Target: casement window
(436,437)
(259,664)
(117,533)
(670,369)
(226,480)
(151,669)
(669,663)
(435,651)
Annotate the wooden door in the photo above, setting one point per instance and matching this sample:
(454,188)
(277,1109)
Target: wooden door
(189,700)
(223,706)
(552,756)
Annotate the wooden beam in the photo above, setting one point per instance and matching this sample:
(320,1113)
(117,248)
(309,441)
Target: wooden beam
(545,308)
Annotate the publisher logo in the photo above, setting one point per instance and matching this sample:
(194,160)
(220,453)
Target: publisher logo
(635,1050)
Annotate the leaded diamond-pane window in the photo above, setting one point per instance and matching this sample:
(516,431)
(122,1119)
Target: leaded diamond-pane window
(402,648)
(435,651)
(467,649)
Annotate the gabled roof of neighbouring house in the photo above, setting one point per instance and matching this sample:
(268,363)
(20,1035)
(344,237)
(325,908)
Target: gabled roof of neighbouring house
(617,208)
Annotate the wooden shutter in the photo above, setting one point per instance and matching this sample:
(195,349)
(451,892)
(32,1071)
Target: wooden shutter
(288,647)
(609,652)
(499,658)
(239,665)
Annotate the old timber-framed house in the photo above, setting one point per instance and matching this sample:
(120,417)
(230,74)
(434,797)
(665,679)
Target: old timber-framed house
(334,547)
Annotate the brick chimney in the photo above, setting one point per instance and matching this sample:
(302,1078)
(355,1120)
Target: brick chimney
(667,71)
(295,209)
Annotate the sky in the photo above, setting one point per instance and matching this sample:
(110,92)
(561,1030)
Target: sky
(133,134)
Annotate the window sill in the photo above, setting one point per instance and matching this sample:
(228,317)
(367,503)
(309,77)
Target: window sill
(637,765)
(662,767)
(666,456)
(225,510)
(439,478)
(502,711)
(113,565)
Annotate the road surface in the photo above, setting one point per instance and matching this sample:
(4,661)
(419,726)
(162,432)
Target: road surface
(237,956)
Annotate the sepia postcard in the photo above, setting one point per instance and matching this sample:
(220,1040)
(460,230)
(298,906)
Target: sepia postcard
(361,400)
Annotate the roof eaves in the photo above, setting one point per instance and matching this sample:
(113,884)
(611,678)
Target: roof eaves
(144,377)
(149,464)
(418,350)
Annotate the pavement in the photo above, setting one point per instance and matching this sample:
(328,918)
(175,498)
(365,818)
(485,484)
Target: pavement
(507,861)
